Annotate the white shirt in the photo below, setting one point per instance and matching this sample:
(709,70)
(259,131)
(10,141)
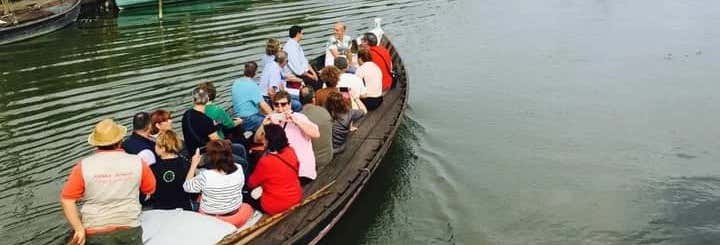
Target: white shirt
(370,73)
(356,85)
(334,44)
(220,193)
(267,59)
(338,45)
(271,76)
(297,62)
(148,156)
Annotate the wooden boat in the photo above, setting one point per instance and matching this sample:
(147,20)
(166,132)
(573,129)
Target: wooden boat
(34,21)
(339,183)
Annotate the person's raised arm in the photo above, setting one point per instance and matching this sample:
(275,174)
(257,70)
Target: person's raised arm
(191,184)
(265,108)
(260,132)
(306,126)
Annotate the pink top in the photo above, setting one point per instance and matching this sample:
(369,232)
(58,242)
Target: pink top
(372,75)
(302,145)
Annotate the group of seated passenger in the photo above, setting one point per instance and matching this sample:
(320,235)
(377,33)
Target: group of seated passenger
(281,128)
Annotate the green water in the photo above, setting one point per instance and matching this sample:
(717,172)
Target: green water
(530,122)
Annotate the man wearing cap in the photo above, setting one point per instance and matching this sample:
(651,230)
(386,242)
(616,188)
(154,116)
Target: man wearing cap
(108,182)
(140,142)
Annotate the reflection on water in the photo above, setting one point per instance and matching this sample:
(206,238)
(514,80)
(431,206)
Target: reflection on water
(372,217)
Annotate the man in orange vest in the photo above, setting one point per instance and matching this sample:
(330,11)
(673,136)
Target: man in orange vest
(109,182)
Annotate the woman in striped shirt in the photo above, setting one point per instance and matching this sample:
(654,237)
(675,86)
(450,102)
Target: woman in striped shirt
(220,185)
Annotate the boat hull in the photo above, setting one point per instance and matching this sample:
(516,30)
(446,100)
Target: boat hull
(40,27)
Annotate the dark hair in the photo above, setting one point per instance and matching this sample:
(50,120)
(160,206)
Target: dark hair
(336,105)
(210,88)
(364,55)
(280,95)
(353,46)
(275,137)
(156,117)
(110,147)
(294,30)
(219,154)
(250,69)
(200,96)
(141,121)
(272,46)
(341,63)
(307,94)
(370,38)
(330,75)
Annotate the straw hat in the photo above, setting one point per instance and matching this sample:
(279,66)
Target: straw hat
(106,132)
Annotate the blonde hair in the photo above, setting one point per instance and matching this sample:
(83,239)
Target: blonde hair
(272,46)
(169,142)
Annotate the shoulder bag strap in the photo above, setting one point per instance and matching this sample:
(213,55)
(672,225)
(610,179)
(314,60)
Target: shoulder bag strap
(286,163)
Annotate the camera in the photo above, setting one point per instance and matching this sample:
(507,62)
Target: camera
(277,117)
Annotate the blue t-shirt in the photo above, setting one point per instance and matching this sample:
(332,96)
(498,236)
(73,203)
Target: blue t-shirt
(246,97)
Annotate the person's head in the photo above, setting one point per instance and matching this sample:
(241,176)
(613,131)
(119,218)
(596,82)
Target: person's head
(339,29)
(275,137)
(160,121)
(341,63)
(250,69)
(219,154)
(364,55)
(307,95)
(281,58)
(141,122)
(330,75)
(296,32)
(281,101)
(210,88)
(168,142)
(107,135)
(272,46)
(336,105)
(200,96)
(369,39)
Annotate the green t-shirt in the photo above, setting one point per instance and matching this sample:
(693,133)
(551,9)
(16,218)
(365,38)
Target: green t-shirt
(322,146)
(218,114)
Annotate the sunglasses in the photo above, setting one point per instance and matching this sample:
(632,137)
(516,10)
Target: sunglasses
(280,103)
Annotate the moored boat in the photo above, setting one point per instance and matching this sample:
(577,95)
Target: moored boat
(338,184)
(38,20)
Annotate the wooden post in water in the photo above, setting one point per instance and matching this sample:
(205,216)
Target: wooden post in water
(160,9)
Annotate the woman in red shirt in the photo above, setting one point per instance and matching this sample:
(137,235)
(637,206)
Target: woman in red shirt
(277,173)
